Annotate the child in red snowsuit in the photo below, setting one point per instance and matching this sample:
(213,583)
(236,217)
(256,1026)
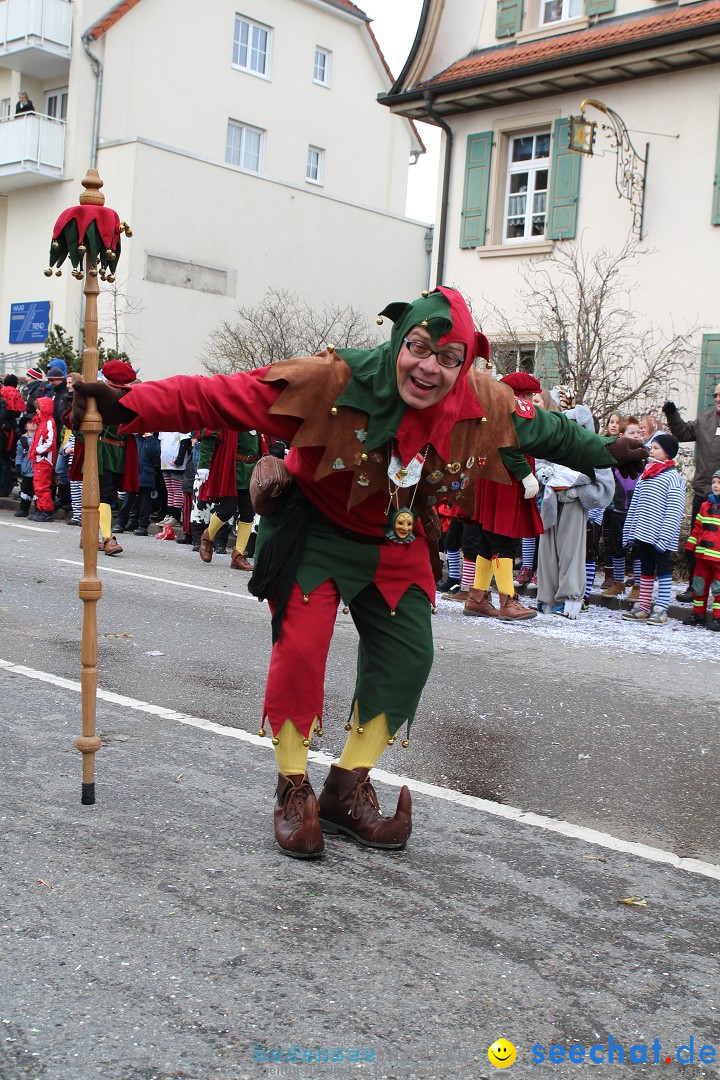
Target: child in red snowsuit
(43,451)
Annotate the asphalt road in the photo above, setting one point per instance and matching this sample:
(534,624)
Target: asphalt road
(601,723)
(160,934)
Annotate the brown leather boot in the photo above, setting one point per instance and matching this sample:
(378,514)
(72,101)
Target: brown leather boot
(111,546)
(348,804)
(238,561)
(480,603)
(206,547)
(297,828)
(511,608)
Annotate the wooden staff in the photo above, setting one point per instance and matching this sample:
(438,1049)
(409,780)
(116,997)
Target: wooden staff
(89,235)
(90,586)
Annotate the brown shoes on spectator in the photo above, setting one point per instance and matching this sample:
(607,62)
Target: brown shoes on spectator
(348,804)
(206,547)
(480,603)
(297,825)
(111,546)
(237,560)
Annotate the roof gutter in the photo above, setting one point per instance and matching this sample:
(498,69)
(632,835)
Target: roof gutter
(415,46)
(445,189)
(98,70)
(553,64)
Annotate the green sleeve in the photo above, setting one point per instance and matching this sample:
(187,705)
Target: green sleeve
(515,462)
(552,436)
(208,446)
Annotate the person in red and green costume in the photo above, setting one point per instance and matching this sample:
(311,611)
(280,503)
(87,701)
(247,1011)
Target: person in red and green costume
(377,438)
(225,465)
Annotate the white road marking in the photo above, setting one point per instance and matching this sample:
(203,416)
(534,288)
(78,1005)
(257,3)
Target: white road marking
(28,528)
(510,813)
(162,580)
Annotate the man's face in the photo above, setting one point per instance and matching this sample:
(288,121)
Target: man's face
(422,383)
(55,382)
(716,395)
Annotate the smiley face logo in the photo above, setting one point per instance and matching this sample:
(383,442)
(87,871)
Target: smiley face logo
(501,1054)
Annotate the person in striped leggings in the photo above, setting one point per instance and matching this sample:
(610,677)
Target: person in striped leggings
(653,525)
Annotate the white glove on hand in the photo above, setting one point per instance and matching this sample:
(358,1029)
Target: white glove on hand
(531,486)
(202,475)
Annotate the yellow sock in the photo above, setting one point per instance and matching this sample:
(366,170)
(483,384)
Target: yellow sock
(504,576)
(105,521)
(483,574)
(291,751)
(244,528)
(216,524)
(363,748)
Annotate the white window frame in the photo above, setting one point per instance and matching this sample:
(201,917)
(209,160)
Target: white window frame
(5,108)
(315,162)
(325,81)
(252,28)
(532,167)
(244,130)
(61,97)
(566,12)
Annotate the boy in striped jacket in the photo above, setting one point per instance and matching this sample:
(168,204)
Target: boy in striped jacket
(653,525)
(704,541)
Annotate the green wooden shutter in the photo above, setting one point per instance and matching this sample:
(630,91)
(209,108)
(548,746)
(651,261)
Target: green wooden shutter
(509,18)
(547,363)
(476,189)
(716,189)
(709,371)
(561,218)
(599,7)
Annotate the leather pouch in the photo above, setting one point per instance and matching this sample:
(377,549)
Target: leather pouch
(269,479)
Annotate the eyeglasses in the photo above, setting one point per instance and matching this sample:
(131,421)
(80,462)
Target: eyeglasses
(716,395)
(423,351)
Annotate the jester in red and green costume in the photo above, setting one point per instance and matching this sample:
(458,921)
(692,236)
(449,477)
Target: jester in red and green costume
(377,437)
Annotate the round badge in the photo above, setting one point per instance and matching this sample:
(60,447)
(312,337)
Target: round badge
(376,456)
(363,480)
(464,482)
(338,463)
(431,500)
(469,463)
(452,467)
(434,477)
(455,486)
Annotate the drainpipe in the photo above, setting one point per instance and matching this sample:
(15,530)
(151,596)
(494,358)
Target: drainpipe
(98,69)
(445,191)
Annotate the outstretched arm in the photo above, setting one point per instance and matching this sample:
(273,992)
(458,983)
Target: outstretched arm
(186,402)
(552,436)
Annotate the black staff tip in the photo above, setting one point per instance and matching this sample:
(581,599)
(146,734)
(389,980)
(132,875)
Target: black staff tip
(88,795)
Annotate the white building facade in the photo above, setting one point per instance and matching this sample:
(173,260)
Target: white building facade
(501,79)
(242,142)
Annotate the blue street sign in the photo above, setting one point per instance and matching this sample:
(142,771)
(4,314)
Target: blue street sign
(30,322)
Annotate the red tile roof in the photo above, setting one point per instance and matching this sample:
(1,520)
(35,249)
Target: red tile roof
(352,7)
(109,19)
(629,35)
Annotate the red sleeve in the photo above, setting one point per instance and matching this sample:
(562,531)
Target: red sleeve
(241,402)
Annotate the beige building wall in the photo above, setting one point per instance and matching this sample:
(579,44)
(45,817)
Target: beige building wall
(167,97)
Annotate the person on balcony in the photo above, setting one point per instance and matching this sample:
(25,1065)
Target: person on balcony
(24,104)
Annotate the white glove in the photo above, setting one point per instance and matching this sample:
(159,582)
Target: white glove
(202,475)
(531,486)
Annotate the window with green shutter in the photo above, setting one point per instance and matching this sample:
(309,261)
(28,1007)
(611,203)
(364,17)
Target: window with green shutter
(548,363)
(709,371)
(716,188)
(561,220)
(509,18)
(476,189)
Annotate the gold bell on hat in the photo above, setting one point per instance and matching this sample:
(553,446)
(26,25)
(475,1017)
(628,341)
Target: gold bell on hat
(424,293)
(48,272)
(330,348)
(379,320)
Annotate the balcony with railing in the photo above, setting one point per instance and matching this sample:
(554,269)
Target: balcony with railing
(35,36)
(32,149)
